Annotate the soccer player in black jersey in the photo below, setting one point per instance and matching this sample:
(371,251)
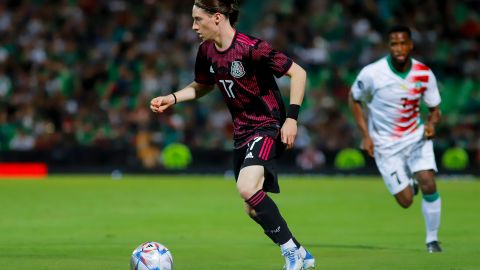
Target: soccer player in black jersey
(243,68)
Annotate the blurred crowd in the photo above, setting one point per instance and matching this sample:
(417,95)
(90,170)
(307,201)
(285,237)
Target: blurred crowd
(82,72)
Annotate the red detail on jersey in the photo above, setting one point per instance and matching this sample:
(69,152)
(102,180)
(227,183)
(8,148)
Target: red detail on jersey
(420,67)
(407,118)
(245,39)
(416,91)
(403,129)
(411,105)
(414,102)
(257,108)
(400,133)
(409,110)
(423,78)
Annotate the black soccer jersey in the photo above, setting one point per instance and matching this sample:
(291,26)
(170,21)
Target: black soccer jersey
(244,73)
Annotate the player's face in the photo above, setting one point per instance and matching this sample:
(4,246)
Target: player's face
(204,23)
(400,46)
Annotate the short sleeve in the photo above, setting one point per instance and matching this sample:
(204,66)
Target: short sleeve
(203,66)
(431,96)
(276,61)
(362,87)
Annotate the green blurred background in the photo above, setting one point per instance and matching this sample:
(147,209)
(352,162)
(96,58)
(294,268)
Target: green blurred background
(76,78)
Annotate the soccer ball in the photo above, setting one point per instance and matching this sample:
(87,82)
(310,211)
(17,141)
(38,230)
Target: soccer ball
(151,256)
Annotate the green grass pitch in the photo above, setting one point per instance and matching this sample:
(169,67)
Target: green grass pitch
(94,223)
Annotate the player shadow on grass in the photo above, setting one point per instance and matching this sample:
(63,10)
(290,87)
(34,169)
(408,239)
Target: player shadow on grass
(355,246)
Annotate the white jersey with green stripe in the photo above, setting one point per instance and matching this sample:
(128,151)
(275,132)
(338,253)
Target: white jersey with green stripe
(393,102)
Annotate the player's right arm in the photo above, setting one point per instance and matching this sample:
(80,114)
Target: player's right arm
(360,89)
(193,91)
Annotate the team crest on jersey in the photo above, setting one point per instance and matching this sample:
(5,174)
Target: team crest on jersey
(237,70)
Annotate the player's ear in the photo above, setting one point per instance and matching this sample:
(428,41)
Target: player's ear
(217,17)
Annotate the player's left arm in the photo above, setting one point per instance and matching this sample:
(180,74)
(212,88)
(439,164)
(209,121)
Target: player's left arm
(432,99)
(433,119)
(298,78)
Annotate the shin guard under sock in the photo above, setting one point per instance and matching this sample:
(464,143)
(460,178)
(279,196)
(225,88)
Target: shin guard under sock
(269,215)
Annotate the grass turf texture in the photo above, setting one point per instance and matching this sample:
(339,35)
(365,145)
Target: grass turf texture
(93,222)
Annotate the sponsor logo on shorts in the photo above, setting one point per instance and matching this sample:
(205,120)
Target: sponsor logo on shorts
(249,155)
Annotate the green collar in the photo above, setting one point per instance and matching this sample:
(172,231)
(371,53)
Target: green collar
(402,75)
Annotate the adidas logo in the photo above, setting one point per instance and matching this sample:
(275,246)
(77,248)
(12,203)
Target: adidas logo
(249,155)
(211,70)
(277,230)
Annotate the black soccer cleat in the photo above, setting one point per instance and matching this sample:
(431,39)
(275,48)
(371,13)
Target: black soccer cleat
(434,247)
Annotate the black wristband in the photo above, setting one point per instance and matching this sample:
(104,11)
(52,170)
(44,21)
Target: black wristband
(175,98)
(293,110)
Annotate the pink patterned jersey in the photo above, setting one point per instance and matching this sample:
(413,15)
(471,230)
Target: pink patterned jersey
(245,74)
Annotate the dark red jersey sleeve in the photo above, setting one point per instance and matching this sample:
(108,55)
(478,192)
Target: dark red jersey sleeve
(203,66)
(274,60)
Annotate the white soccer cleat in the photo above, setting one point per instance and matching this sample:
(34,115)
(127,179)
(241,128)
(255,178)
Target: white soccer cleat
(308,261)
(293,259)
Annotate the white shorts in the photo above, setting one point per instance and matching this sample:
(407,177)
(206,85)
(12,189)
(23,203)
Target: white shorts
(398,170)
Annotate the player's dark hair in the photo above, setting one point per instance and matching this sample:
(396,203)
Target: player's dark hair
(228,8)
(401,29)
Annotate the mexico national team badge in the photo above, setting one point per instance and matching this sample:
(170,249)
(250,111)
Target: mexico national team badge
(237,69)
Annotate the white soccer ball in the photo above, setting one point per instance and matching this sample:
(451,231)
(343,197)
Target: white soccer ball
(151,256)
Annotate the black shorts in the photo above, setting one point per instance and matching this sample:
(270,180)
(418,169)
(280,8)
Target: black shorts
(262,151)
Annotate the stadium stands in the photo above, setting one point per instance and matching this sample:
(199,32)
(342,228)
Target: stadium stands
(81,73)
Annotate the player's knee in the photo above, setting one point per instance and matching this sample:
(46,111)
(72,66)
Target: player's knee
(246,191)
(404,201)
(426,181)
(429,189)
(405,197)
(428,186)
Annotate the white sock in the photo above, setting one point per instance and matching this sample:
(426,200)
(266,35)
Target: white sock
(288,244)
(431,213)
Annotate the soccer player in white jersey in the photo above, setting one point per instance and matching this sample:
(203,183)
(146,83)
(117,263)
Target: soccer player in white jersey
(389,91)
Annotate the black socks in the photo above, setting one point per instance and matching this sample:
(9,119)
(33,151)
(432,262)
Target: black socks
(269,217)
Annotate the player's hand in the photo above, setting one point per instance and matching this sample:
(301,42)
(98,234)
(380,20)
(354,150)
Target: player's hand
(289,132)
(429,132)
(161,103)
(367,145)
